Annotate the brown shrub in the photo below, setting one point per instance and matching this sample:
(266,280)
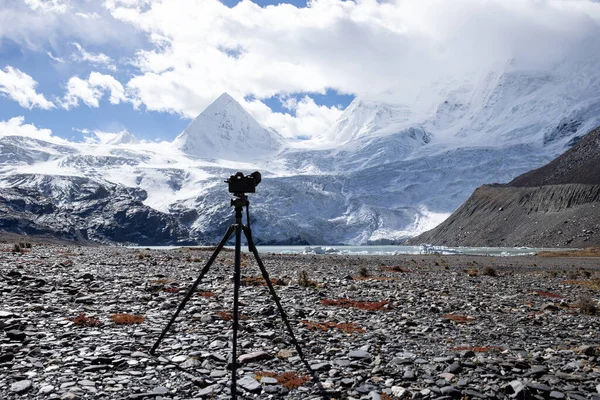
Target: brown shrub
(479,349)
(385,396)
(304,280)
(549,294)
(83,320)
(17,248)
(325,326)
(363,272)
(172,289)
(471,272)
(227,316)
(489,271)
(461,319)
(363,305)
(127,319)
(589,252)
(587,306)
(395,268)
(259,281)
(592,283)
(289,380)
(206,294)
(573,275)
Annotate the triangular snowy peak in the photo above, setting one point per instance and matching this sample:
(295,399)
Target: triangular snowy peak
(226,131)
(123,137)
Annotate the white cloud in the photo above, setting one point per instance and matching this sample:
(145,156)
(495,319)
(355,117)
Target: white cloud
(16,127)
(40,25)
(310,118)
(90,91)
(98,59)
(60,6)
(203,48)
(20,87)
(57,59)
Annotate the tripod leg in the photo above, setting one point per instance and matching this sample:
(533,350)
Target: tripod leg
(194,286)
(236,302)
(282,312)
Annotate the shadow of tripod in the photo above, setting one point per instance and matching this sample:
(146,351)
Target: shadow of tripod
(238,227)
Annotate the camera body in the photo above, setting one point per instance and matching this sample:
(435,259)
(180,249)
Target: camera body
(240,183)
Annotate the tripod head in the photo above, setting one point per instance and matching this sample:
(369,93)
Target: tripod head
(240,184)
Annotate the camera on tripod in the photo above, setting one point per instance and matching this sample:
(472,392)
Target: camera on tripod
(240,183)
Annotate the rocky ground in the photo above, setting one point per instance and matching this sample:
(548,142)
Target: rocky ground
(415,327)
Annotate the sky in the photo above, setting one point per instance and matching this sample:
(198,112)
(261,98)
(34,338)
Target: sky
(70,68)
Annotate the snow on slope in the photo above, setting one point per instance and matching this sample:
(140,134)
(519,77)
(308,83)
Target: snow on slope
(390,168)
(123,137)
(226,131)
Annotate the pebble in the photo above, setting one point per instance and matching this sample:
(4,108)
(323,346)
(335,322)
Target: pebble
(21,386)
(508,348)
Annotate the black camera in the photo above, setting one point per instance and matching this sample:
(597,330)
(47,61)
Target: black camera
(239,183)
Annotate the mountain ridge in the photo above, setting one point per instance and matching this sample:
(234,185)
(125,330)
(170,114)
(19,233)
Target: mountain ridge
(556,205)
(224,130)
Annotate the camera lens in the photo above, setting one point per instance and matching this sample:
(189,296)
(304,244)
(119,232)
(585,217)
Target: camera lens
(257,177)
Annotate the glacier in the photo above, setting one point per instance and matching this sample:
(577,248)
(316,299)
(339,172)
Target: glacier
(392,166)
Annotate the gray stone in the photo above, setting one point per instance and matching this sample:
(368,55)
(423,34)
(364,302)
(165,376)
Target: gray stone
(160,390)
(208,391)
(267,380)
(254,357)
(360,354)
(556,395)
(21,386)
(179,359)
(320,366)
(539,386)
(409,376)
(514,388)
(46,389)
(248,383)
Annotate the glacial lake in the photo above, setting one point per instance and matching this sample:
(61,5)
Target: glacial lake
(385,250)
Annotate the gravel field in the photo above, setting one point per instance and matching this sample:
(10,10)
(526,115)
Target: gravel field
(79,322)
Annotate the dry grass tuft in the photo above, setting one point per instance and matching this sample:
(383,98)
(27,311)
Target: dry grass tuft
(489,271)
(471,272)
(305,281)
(589,252)
(395,268)
(227,316)
(172,289)
(260,281)
(479,349)
(385,396)
(325,326)
(549,295)
(587,306)
(289,380)
(362,305)
(461,319)
(159,281)
(83,320)
(206,294)
(591,284)
(363,272)
(127,319)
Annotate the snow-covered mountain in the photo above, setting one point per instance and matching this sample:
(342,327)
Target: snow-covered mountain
(123,137)
(226,131)
(391,167)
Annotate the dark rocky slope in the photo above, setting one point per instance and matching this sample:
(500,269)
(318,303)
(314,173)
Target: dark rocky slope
(94,212)
(557,205)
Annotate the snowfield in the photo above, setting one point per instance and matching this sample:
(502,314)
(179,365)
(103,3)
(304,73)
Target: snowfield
(388,169)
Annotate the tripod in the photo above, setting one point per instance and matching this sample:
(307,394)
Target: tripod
(239,203)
